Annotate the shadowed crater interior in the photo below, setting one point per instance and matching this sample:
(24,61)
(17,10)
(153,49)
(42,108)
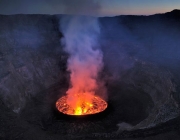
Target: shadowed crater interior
(141,75)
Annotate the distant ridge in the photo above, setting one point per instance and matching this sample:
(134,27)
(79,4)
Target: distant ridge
(175,13)
(172,14)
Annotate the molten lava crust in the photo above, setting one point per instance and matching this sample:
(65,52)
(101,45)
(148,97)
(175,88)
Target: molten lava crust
(85,108)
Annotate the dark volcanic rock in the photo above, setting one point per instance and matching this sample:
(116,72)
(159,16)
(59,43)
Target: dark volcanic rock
(141,76)
(30,57)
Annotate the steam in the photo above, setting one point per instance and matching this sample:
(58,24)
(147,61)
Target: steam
(85,60)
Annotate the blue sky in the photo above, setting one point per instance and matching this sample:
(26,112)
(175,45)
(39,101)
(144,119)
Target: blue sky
(140,7)
(88,7)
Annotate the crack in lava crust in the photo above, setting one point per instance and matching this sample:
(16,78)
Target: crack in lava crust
(97,105)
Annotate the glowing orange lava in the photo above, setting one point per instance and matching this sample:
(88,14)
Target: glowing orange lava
(83,107)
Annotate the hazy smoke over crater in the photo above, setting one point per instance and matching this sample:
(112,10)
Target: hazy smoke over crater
(76,7)
(85,60)
(82,7)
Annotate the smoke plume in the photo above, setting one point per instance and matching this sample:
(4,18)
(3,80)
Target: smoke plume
(82,7)
(85,59)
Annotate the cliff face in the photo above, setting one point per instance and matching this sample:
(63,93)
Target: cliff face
(153,39)
(30,57)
